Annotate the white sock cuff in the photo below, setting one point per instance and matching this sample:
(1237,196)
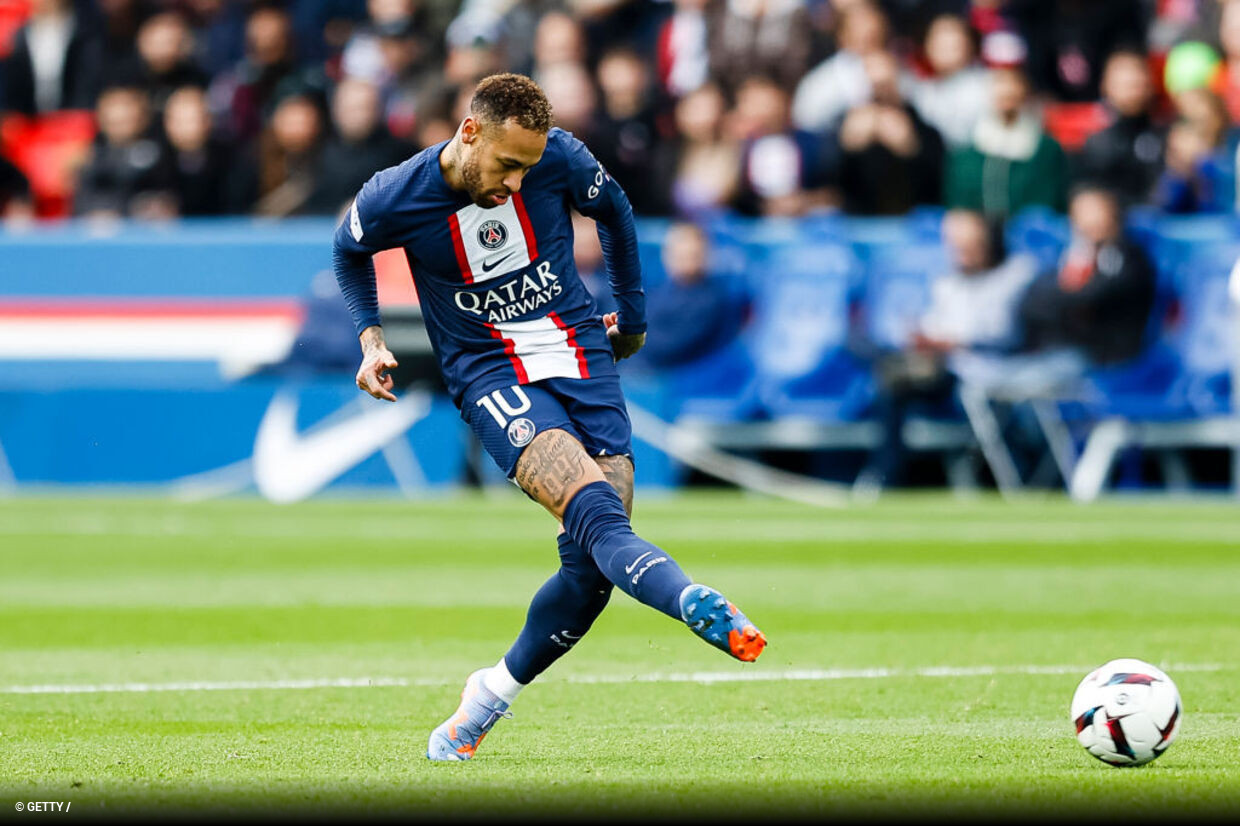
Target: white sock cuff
(501,683)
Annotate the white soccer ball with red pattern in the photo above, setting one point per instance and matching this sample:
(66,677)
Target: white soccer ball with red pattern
(1126,712)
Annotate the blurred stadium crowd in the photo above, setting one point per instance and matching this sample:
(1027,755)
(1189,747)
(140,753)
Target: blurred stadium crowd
(156,108)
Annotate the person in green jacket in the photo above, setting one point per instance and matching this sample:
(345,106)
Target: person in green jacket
(1011,163)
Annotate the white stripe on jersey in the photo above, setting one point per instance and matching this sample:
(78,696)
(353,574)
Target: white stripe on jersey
(543,349)
(494,240)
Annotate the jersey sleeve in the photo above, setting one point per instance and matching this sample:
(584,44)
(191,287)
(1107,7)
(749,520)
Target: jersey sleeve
(595,194)
(360,235)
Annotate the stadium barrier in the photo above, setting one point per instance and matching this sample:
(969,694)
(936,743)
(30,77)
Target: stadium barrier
(214,356)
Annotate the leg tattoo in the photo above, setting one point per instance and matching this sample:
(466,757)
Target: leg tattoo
(618,470)
(553,468)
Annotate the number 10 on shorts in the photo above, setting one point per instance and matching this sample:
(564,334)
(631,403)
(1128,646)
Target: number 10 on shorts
(499,407)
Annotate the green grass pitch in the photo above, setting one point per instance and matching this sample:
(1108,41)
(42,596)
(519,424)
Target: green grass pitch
(922,655)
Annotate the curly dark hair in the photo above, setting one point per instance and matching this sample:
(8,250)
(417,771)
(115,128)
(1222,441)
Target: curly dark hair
(500,97)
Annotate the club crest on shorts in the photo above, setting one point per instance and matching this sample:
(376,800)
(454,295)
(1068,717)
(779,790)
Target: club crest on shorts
(520,432)
(492,234)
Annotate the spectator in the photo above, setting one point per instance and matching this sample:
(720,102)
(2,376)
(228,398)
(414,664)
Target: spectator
(363,55)
(406,76)
(698,171)
(770,38)
(520,27)
(588,256)
(891,161)
(784,171)
(1229,39)
(218,29)
(610,23)
(437,121)
(954,96)
(1098,304)
(207,177)
(1127,155)
(682,58)
(839,82)
(1069,41)
(246,95)
(973,308)
(1011,163)
(359,147)
(624,130)
(691,314)
(473,42)
(163,61)
(125,174)
(289,157)
(55,62)
(1200,174)
(558,39)
(570,90)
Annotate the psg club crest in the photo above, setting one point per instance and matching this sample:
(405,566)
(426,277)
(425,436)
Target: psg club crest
(492,234)
(520,432)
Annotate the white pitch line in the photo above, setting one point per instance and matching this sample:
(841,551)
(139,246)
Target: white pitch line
(699,677)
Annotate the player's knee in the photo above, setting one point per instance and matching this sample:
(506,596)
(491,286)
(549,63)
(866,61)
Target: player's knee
(579,570)
(554,467)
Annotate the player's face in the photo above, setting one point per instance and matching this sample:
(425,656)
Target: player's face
(496,160)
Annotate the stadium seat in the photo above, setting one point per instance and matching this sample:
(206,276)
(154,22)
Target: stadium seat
(896,295)
(1041,232)
(48,149)
(1179,394)
(801,333)
(1072,123)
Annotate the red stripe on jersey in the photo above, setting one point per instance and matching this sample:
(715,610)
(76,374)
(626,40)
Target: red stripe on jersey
(458,243)
(570,334)
(526,227)
(510,350)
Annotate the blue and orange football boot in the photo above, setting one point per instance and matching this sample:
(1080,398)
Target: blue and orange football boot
(457,738)
(709,615)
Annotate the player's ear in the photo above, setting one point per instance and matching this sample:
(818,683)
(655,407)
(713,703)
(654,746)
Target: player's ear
(471,129)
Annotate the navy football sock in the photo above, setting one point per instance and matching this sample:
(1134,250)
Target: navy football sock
(595,518)
(560,614)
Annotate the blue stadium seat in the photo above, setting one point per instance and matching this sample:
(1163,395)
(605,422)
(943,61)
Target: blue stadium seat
(801,331)
(897,292)
(1041,232)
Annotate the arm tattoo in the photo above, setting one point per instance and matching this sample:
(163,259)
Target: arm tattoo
(618,471)
(550,467)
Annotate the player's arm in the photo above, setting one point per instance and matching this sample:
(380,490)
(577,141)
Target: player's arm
(355,273)
(596,195)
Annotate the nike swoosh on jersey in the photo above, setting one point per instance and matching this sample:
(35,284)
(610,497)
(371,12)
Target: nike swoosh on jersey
(487,266)
(289,466)
(628,569)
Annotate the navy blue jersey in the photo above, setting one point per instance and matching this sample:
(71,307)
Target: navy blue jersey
(499,289)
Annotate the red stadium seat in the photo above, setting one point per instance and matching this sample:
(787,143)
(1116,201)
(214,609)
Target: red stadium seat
(1072,123)
(13,14)
(48,149)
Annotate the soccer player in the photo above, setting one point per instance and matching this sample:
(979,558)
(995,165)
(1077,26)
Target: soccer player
(484,220)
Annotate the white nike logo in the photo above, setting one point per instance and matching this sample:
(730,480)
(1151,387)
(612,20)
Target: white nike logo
(289,466)
(628,569)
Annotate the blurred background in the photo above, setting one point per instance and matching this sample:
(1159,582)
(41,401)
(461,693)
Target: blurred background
(967,243)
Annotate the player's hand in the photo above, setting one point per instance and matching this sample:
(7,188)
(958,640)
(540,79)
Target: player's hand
(373,377)
(622,346)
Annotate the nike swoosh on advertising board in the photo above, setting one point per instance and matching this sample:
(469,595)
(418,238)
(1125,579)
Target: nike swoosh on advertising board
(289,466)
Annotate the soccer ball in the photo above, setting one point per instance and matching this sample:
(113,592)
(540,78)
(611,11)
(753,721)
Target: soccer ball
(1126,712)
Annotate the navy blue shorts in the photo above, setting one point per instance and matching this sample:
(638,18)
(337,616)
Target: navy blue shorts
(591,410)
